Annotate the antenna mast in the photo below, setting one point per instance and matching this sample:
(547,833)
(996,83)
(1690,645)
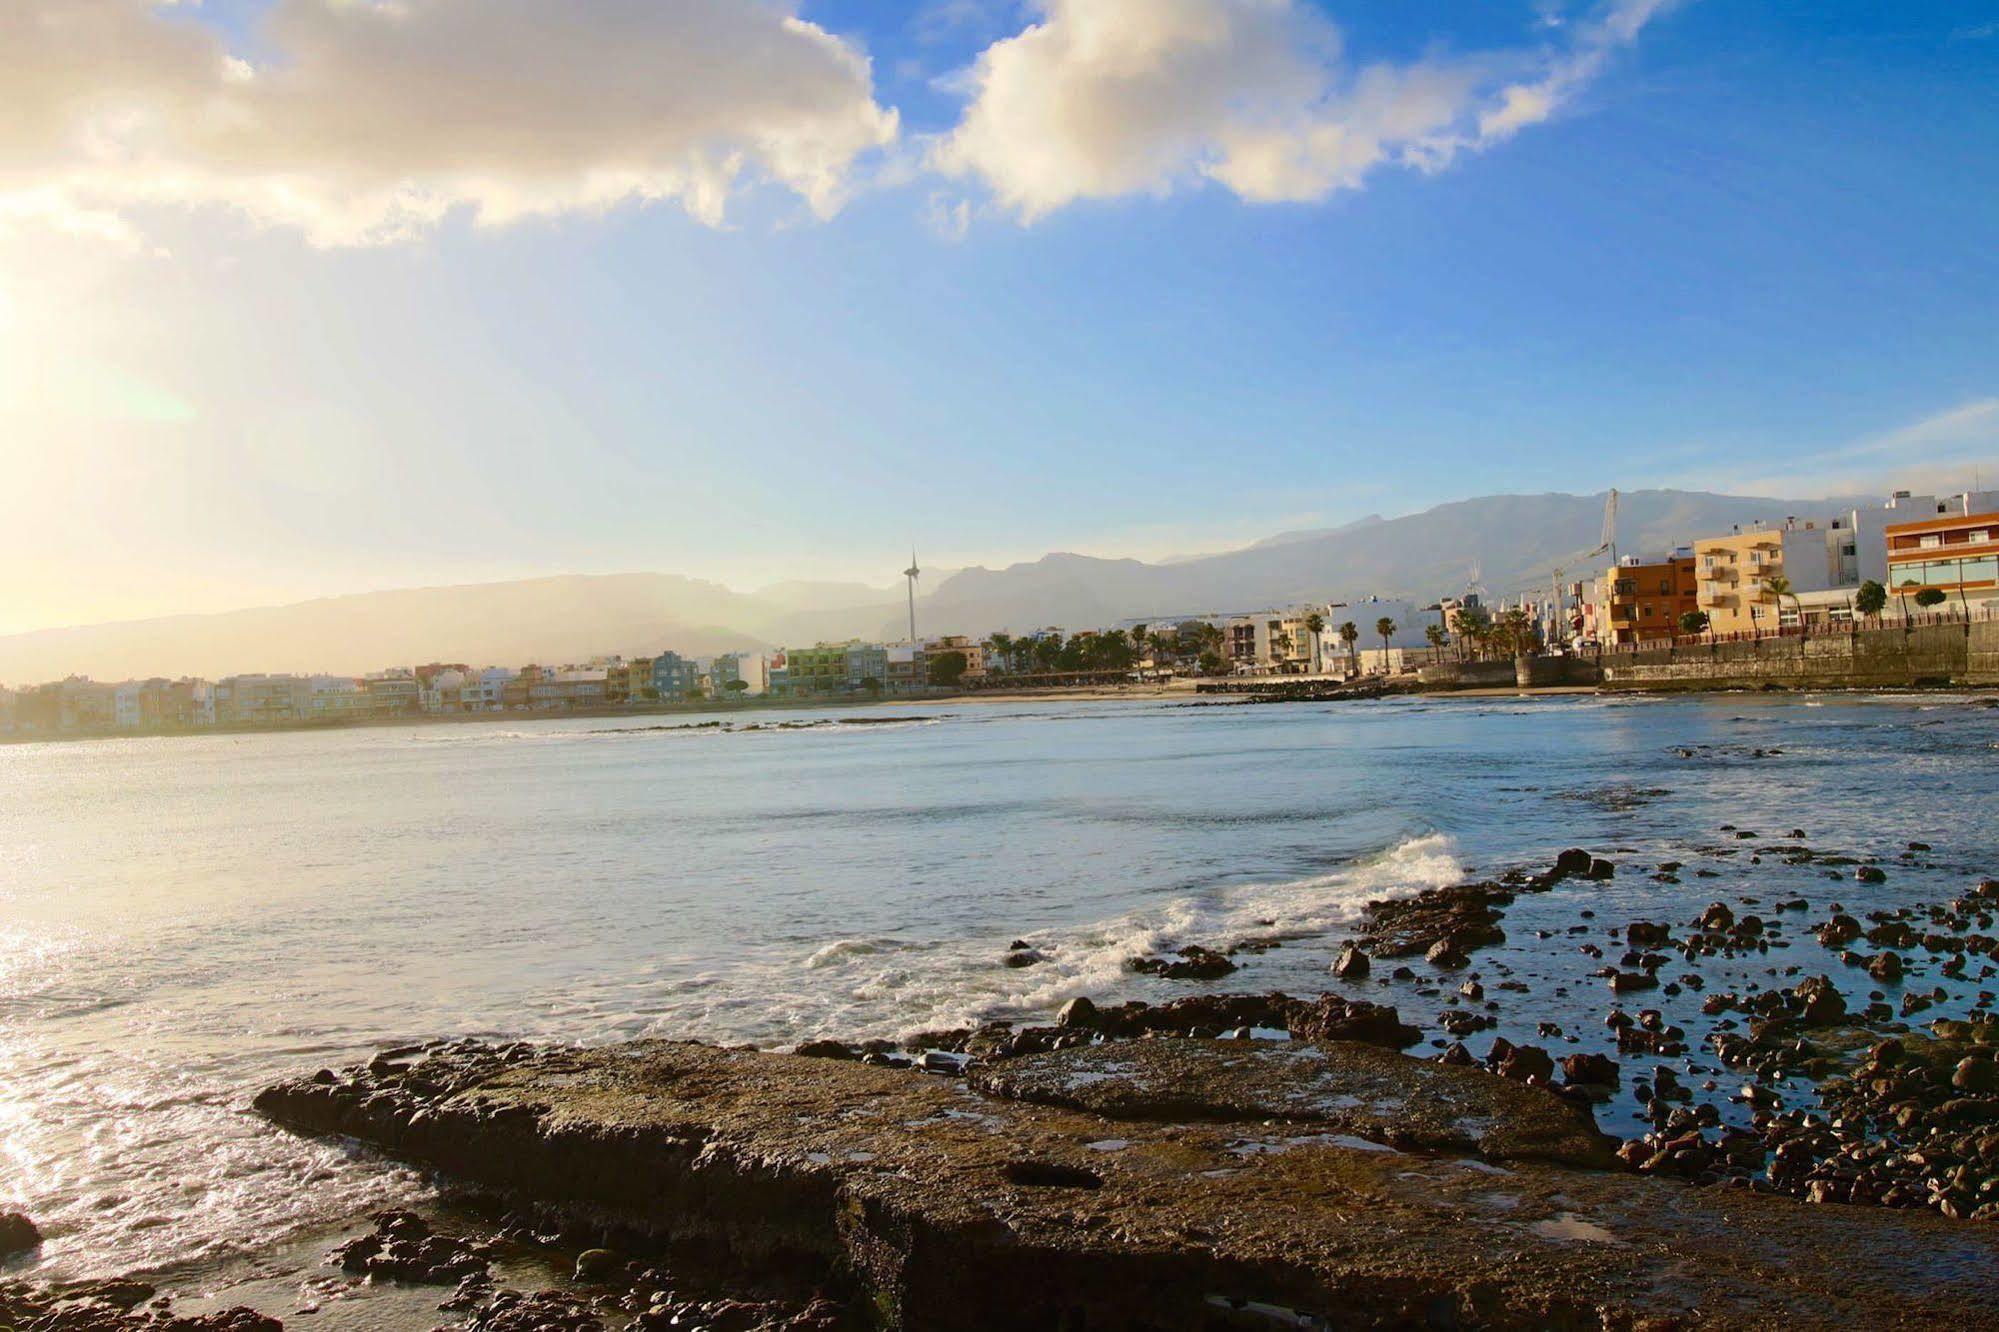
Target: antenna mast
(911,573)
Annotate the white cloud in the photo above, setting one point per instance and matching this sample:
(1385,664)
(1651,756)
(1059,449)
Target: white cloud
(1947,450)
(374,119)
(1106,98)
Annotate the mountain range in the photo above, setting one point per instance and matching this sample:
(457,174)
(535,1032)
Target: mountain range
(1513,541)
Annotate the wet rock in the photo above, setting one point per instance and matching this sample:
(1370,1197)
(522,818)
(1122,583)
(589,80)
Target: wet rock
(1602,869)
(1191,963)
(1017,958)
(599,1265)
(1645,934)
(1334,1018)
(1352,963)
(1870,874)
(17,1234)
(896,1183)
(1885,967)
(1446,953)
(1078,1012)
(828,1050)
(1467,915)
(1594,1070)
(1573,861)
(1819,1000)
(1523,1062)
(402,1247)
(1359,1089)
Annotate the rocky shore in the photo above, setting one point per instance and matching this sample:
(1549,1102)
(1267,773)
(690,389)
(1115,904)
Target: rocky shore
(1802,1105)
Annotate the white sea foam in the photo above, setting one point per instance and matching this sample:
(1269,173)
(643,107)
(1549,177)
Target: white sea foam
(875,987)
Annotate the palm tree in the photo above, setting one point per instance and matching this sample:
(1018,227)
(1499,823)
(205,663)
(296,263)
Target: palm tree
(1350,635)
(1435,634)
(1516,631)
(1315,624)
(1001,645)
(1385,628)
(1475,628)
(1139,634)
(1779,587)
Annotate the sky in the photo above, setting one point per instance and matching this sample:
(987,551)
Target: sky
(303,297)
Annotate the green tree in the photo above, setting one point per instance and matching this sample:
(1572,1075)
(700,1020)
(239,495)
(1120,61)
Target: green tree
(737,686)
(1435,635)
(1930,596)
(1001,648)
(1210,662)
(872,684)
(1350,636)
(649,694)
(948,668)
(1871,599)
(1384,629)
(1694,622)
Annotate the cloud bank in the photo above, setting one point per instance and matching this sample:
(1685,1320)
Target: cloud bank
(1107,98)
(379,117)
(370,121)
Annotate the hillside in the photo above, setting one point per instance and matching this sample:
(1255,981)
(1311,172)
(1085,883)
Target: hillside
(1515,539)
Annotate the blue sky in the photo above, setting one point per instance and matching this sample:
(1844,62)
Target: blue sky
(1754,250)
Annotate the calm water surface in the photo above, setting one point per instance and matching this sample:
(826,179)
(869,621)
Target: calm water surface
(185,920)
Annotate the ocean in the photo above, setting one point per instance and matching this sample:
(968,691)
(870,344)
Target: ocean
(185,920)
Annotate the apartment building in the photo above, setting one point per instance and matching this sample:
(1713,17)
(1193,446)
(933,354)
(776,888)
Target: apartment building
(1641,600)
(576,687)
(1957,554)
(1734,574)
(674,676)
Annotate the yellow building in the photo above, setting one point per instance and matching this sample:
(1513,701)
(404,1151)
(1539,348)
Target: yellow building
(1734,574)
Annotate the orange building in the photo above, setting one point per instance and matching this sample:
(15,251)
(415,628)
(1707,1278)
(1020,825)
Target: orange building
(1643,600)
(1957,554)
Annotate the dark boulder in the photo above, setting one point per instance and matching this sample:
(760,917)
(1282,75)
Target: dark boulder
(17,1234)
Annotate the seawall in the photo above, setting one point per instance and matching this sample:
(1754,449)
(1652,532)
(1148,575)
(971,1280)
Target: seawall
(1936,655)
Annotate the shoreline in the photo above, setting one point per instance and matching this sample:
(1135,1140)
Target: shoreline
(1370,1174)
(1179,691)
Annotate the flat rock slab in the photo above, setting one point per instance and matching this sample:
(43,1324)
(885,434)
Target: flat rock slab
(1362,1090)
(940,1206)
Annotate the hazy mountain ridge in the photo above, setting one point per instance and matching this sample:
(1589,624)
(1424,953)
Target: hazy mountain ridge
(1515,539)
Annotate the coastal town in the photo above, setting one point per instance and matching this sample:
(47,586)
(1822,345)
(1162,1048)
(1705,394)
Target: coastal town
(1912,559)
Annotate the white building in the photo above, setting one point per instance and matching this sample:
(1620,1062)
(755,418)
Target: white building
(1412,623)
(336,696)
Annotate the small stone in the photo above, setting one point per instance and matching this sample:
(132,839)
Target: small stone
(1352,963)
(1870,874)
